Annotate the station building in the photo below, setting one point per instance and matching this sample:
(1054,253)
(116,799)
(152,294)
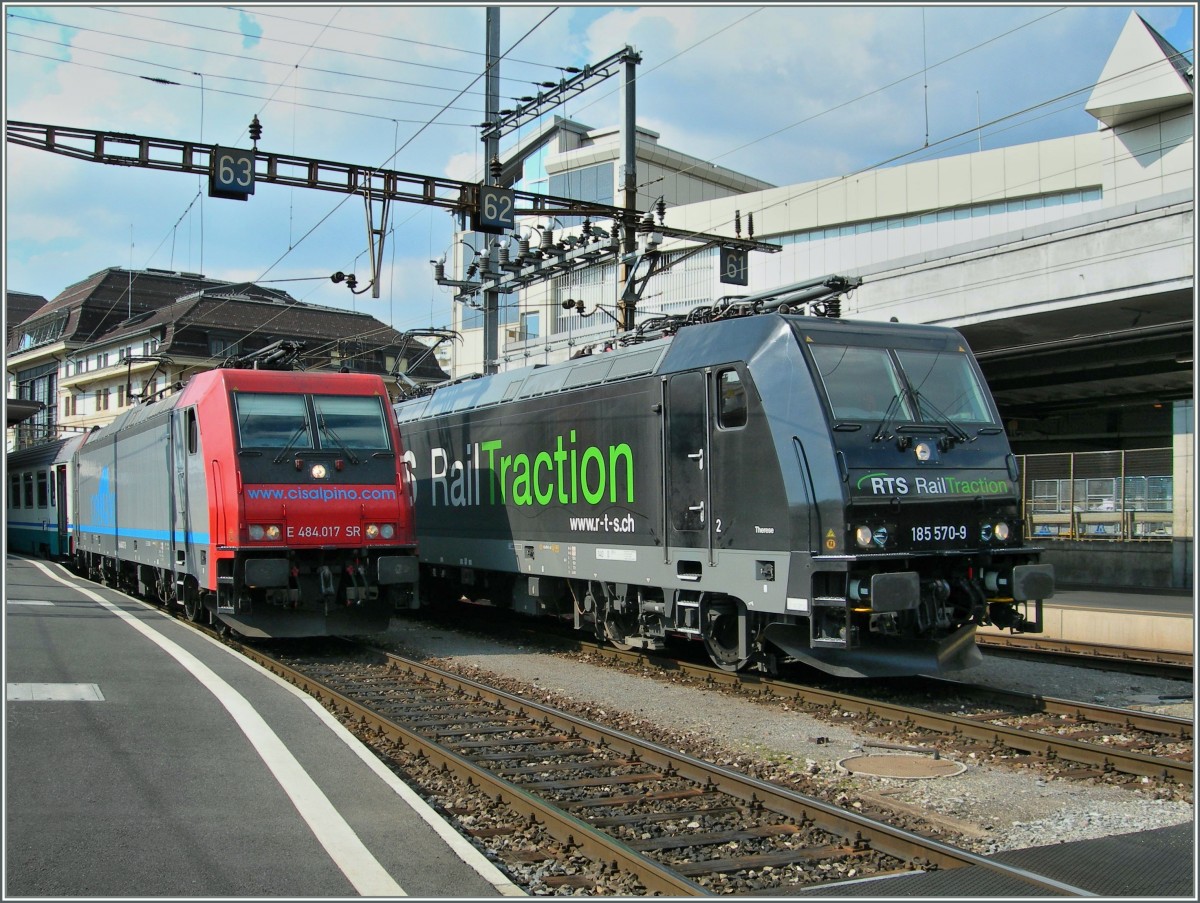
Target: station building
(1068,264)
(119,336)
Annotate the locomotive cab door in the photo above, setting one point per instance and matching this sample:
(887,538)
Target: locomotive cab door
(183,434)
(688,473)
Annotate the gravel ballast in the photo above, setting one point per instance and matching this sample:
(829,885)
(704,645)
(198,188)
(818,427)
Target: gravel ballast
(991,808)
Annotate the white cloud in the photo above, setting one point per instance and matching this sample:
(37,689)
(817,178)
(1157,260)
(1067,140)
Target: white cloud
(784,93)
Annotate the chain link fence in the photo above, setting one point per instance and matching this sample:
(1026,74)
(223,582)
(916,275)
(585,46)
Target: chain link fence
(1115,496)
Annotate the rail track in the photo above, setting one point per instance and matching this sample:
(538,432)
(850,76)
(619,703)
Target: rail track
(1082,739)
(551,787)
(1176,665)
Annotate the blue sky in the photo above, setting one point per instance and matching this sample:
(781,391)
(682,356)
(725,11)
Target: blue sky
(782,93)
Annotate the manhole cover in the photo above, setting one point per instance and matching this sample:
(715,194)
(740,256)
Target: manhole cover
(909,767)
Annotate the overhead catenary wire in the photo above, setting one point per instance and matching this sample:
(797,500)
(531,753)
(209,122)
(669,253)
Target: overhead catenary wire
(243,56)
(911,152)
(374,98)
(386,162)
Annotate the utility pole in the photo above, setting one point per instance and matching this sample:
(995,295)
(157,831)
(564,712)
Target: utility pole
(626,305)
(491,152)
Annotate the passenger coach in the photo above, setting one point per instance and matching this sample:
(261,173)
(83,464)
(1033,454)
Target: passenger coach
(37,512)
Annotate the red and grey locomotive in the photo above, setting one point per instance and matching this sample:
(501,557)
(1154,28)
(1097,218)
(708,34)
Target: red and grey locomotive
(270,502)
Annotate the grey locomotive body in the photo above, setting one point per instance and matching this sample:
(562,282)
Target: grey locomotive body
(774,486)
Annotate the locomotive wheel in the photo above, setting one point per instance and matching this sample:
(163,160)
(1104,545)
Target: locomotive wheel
(723,626)
(616,631)
(193,608)
(612,625)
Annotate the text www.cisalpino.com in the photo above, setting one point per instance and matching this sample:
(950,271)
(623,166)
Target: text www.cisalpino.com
(322,493)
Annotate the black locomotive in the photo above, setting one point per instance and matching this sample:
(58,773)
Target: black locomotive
(778,487)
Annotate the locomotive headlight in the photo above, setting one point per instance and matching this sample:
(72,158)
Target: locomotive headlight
(1001,531)
(923,451)
(387,531)
(372,531)
(256,531)
(985,532)
(319,471)
(862,536)
(273,532)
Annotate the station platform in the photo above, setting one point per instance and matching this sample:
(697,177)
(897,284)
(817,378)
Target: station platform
(1158,864)
(145,760)
(1164,622)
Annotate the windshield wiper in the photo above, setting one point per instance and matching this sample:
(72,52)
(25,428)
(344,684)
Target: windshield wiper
(881,431)
(290,443)
(956,431)
(327,431)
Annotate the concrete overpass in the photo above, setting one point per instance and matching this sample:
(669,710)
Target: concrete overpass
(1094,312)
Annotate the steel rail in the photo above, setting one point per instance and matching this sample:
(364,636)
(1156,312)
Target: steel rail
(561,825)
(857,828)
(1105,758)
(1171,664)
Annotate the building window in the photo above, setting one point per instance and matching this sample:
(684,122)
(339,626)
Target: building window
(121,402)
(222,347)
(101,400)
(47,329)
(530,326)
(591,183)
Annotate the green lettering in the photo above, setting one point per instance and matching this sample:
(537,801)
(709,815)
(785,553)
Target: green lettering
(616,453)
(574,472)
(560,458)
(491,447)
(543,458)
(590,495)
(520,486)
(504,463)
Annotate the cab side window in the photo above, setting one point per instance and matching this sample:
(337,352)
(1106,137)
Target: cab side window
(731,400)
(193,432)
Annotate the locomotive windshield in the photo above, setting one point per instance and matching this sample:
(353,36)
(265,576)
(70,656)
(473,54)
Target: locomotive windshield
(332,422)
(273,421)
(900,386)
(350,422)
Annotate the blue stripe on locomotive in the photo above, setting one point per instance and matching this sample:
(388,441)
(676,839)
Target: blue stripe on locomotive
(152,535)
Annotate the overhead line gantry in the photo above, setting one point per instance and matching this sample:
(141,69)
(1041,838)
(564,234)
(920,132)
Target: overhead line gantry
(234,173)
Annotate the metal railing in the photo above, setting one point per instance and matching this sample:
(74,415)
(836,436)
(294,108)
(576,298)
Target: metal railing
(1114,495)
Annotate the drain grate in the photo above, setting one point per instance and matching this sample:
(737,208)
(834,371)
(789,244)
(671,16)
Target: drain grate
(906,767)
